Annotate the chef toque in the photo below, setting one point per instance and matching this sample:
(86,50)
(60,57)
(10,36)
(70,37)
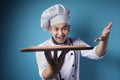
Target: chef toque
(54,15)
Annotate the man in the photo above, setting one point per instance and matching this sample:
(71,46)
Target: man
(64,65)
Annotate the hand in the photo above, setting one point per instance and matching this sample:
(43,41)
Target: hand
(105,33)
(55,63)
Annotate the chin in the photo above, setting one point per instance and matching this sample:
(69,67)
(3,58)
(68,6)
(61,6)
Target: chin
(60,42)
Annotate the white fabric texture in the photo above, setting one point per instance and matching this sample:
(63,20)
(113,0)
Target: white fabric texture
(54,15)
(68,70)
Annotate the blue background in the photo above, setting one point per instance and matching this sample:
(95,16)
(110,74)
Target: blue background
(20,28)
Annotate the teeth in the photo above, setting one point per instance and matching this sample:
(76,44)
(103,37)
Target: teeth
(61,38)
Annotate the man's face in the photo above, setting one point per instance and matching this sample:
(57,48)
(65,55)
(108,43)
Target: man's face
(60,32)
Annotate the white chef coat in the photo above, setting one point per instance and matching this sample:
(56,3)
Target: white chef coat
(70,68)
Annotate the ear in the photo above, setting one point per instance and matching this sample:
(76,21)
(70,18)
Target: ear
(49,29)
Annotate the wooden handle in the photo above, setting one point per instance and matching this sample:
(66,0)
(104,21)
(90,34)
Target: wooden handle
(53,48)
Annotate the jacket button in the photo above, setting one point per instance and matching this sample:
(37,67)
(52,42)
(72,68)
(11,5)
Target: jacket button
(71,53)
(73,65)
(72,75)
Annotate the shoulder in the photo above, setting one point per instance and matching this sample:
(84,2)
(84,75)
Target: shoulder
(74,41)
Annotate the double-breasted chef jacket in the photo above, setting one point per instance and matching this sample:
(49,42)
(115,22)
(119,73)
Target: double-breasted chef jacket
(70,69)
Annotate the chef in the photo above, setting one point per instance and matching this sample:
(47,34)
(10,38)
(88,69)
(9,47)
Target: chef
(64,65)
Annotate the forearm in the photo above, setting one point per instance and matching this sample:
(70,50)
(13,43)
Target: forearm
(101,48)
(48,73)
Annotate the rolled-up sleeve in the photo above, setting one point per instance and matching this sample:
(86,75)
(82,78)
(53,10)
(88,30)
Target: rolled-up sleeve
(90,54)
(41,61)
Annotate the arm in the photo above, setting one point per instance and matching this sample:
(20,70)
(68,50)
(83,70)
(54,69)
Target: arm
(48,73)
(54,64)
(101,48)
(43,66)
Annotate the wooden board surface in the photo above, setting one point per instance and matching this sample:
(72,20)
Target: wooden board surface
(53,48)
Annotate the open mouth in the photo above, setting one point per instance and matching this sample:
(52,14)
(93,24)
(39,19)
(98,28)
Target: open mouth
(61,38)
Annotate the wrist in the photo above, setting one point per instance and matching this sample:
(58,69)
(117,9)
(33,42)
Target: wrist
(53,69)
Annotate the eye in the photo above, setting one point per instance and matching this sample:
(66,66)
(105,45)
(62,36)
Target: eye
(56,29)
(65,28)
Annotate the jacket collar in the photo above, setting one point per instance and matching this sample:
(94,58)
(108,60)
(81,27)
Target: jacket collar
(67,42)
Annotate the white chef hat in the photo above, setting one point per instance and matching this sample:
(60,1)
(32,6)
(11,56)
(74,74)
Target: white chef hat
(54,15)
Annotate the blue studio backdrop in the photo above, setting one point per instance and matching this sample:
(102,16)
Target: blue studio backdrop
(20,28)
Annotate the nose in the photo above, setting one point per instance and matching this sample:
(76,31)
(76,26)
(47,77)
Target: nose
(60,32)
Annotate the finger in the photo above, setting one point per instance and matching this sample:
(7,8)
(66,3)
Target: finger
(55,55)
(106,33)
(63,53)
(48,56)
(55,59)
(97,39)
(102,38)
(109,25)
(62,56)
(61,62)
